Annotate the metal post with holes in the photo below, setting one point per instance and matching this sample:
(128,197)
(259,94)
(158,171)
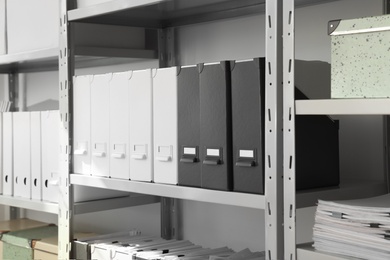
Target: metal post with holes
(66,72)
(273,131)
(289,130)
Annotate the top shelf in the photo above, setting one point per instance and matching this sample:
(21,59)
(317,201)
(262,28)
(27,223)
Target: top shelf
(169,13)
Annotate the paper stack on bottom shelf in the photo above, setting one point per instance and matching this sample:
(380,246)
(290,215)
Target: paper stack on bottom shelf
(143,247)
(354,228)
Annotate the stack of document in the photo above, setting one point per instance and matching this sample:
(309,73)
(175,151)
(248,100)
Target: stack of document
(354,228)
(5,106)
(155,248)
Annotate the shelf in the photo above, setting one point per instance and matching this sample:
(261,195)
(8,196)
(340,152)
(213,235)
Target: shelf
(165,13)
(372,106)
(172,191)
(307,252)
(47,207)
(37,60)
(347,190)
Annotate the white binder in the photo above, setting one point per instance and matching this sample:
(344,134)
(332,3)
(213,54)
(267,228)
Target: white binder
(82,125)
(36,158)
(119,126)
(7,154)
(50,121)
(165,125)
(22,158)
(3,38)
(141,135)
(1,153)
(100,124)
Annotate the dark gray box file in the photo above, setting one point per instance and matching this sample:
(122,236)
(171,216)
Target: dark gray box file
(248,125)
(189,126)
(317,150)
(215,126)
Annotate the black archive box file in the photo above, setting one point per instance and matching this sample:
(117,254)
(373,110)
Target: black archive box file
(248,125)
(189,126)
(317,150)
(215,126)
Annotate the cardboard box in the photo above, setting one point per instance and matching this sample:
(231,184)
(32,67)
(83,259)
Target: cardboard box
(27,30)
(20,244)
(17,224)
(360,57)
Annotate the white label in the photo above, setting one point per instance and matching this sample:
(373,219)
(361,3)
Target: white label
(247,153)
(190,150)
(212,152)
(119,148)
(100,147)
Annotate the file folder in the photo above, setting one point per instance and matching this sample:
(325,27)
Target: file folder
(165,125)
(141,123)
(248,92)
(119,126)
(1,153)
(100,124)
(317,150)
(82,125)
(215,125)
(36,158)
(50,121)
(8,171)
(189,169)
(22,157)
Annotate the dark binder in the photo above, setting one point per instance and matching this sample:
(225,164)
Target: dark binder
(188,127)
(317,150)
(248,125)
(215,126)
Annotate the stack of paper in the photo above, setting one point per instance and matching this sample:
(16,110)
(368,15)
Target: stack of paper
(156,248)
(355,228)
(5,106)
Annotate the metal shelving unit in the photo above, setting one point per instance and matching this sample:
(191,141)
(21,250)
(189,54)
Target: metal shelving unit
(165,15)
(349,189)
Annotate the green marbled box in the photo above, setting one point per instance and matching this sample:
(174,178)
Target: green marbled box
(360,59)
(20,244)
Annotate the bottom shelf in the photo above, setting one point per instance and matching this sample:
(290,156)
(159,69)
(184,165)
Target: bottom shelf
(38,205)
(307,252)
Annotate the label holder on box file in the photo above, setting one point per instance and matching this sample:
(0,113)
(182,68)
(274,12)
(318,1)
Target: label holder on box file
(246,158)
(164,153)
(140,151)
(99,150)
(119,151)
(190,154)
(81,148)
(213,156)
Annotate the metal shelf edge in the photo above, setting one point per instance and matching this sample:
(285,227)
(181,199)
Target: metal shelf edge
(172,191)
(42,206)
(30,56)
(368,106)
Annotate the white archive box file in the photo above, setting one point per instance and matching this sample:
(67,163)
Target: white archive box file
(7,154)
(27,30)
(82,125)
(36,158)
(22,156)
(50,121)
(100,124)
(3,39)
(165,125)
(119,126)
(1,153)
(141,123)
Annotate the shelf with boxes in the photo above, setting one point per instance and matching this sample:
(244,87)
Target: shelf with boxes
(353,84)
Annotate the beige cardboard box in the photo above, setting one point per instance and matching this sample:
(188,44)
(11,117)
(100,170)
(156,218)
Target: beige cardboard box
(17,224)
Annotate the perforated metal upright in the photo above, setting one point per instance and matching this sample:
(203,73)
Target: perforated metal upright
(66,72)
(273,132)
(289,130)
